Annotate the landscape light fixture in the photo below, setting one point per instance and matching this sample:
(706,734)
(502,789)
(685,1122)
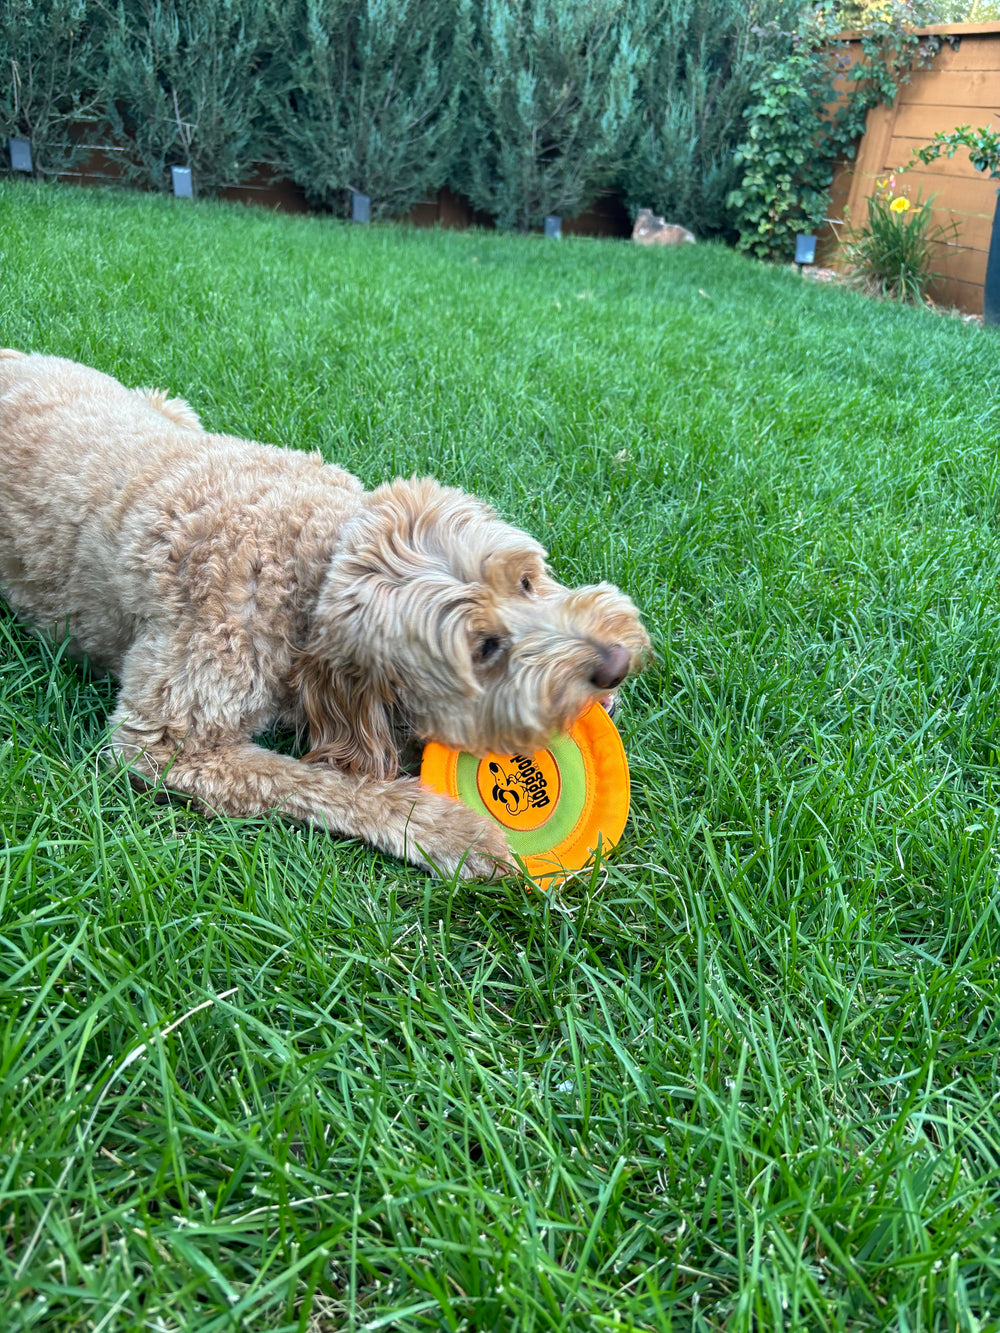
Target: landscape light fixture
(361,207)
(553,228)
(805,249)
(183,184)
(20,154)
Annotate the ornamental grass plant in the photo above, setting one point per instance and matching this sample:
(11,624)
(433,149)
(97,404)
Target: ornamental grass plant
(895,253)
(744,1074)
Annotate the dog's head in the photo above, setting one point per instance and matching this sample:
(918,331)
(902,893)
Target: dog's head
(438,616)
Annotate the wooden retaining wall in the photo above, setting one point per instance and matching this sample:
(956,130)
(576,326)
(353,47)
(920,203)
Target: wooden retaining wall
(961,86)
(607,216)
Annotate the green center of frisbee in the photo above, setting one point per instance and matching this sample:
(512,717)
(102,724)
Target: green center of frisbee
(568,808)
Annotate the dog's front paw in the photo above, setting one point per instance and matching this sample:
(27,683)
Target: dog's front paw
(488,858)
(476,848)
(458,839)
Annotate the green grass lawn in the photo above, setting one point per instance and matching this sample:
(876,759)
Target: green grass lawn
(744,1075)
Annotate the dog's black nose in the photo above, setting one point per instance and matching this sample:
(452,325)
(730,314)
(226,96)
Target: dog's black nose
(613,668)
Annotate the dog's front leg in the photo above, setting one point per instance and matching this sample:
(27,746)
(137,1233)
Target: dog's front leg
(238,778)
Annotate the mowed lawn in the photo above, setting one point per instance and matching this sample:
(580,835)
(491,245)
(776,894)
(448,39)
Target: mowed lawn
(744,1075)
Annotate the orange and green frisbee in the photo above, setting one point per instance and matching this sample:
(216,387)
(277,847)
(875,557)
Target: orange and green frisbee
(555,805)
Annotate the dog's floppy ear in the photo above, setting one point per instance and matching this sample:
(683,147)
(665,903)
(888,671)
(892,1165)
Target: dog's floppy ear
(350,718)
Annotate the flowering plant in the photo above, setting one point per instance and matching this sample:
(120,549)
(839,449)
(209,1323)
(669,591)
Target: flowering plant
(892,254)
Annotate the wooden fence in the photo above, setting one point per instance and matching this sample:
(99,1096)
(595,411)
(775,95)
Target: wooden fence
(961,86)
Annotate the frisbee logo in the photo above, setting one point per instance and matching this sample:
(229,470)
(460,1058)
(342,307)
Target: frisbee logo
(521,789)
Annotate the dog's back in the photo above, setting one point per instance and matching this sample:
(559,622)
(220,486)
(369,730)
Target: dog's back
(57,420)
(64,457)
(103,488)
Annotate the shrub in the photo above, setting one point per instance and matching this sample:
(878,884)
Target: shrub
(892,254)
(551,106)
(52,77)
(693,91)
(365,95)
(858,13)
(186,89)
(793,139)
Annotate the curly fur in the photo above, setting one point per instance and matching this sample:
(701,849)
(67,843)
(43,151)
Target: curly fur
(233,586)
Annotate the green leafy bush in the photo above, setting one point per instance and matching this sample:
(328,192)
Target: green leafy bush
(794,139)
(550,106)
(983,145)
(364,95)
(185,84)
(52,77)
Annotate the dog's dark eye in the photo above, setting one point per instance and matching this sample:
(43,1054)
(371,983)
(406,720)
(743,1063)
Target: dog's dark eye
(488,648)
(525,583)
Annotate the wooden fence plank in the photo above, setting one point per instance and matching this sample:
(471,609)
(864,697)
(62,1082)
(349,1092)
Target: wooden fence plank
(951,264)
(966,297)
(948,88)
(923,122)
(870,161)
(972,193)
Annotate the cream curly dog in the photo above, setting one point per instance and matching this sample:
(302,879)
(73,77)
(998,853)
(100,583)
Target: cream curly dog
(232,587)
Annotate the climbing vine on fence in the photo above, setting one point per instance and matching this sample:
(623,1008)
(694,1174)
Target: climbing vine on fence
(808,112)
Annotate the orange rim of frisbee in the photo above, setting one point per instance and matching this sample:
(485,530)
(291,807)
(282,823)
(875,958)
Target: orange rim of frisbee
(556,805)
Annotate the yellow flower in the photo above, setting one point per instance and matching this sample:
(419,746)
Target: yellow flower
(900,205)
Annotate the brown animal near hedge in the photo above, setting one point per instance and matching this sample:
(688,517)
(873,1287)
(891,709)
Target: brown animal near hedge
(652,230)
(232,587)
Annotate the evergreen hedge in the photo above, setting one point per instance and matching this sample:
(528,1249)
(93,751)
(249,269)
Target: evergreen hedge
(551,102)
(183,81)
(694,88)
(364,95)
(52,79)
(529,107)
